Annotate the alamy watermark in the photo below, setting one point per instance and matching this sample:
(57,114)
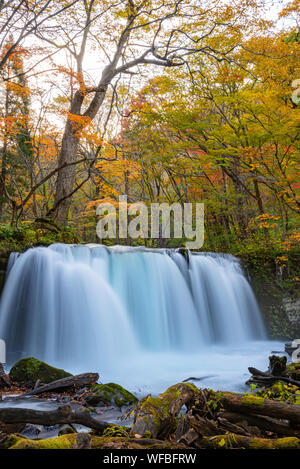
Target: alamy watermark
(296,352)
(138,220)
(2,351)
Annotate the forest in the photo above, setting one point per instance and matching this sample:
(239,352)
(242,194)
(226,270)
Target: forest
(159,101)
(141,341)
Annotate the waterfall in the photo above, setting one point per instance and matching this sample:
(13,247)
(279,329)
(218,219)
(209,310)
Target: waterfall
(97,308)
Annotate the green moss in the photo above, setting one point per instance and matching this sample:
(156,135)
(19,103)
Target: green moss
(280,443)
(7,441)
(274,276)
(116,431)
(160,407)
(280,392)
(253,400)
(192,386)
(59,442)
(74,441)
(110,393)
(293,370)
(288,443)
(29,370)
(261,443)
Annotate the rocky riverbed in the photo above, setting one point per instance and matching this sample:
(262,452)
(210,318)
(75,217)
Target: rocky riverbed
(63,413)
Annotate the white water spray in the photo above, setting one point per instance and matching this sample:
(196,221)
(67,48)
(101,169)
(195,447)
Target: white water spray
(124,311)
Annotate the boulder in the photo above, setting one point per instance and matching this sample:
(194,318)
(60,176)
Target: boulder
(110,393)
(29,370)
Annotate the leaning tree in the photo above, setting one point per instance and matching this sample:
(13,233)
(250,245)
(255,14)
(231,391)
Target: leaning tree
(127,35)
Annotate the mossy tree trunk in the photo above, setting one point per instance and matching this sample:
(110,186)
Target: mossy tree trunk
(156,416)
(62,415)
(249,404)
(233,441)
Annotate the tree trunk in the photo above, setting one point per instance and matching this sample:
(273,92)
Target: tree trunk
(65,176)
(263,423)
(156,416)
(84,379)
(249,404)
(231,440)
(62,415)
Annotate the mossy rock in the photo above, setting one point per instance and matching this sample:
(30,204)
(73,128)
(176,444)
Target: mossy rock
(29,370)
(110,393)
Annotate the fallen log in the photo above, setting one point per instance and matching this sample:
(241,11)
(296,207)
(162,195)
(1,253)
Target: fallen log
(155,417)
(249,404)
(228,426)
(266,424)
(203,426)
(84,441)
(232,440)
(82,380)
(61,415)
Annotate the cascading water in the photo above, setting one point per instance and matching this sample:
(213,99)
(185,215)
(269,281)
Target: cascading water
(137,316)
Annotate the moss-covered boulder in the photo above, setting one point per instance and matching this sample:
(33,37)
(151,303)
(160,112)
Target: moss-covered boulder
(29,370)
(110,393)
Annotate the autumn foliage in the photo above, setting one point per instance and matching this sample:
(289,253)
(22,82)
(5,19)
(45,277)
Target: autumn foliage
(206,115)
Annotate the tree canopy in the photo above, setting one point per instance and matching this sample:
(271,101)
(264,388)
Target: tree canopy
(162,101)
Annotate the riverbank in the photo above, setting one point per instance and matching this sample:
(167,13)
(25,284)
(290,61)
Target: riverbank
(183,417)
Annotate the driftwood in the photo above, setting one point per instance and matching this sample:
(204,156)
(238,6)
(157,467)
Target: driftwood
(62,415)
(156,416)
(256,372)
(82,380)
(277,372)
(201,378)
(4,379)
(269,380)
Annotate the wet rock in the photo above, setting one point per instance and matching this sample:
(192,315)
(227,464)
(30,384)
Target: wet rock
(110,393)
(66,430)
(79,393)
(29,370)
(31,430)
